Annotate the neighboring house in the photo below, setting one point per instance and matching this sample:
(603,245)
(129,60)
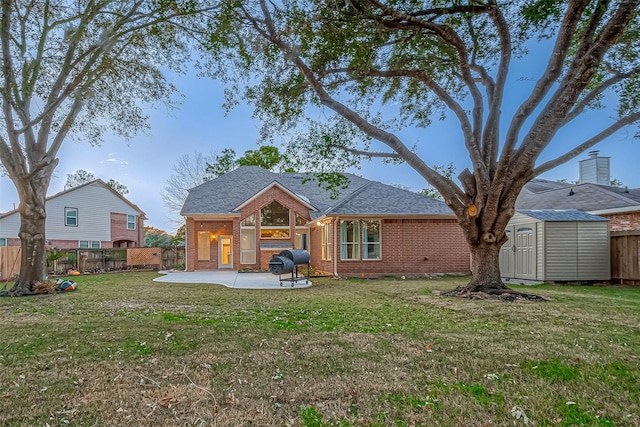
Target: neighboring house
(91,215)
(620,205)
(241,219)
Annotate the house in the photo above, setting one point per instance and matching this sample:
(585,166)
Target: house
(241,219)
(91,215)
(556,245)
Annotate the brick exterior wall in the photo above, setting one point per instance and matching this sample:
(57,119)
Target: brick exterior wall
(119,231)
(409,246)
(253,207)
(628,221)
(215,229)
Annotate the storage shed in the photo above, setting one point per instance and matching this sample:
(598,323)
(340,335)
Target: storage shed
(556,245)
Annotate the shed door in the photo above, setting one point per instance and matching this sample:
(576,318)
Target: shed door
(508,255)
(525,265)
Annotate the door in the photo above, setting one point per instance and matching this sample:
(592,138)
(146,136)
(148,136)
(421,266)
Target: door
(225,252)
(525,253)
(508,255)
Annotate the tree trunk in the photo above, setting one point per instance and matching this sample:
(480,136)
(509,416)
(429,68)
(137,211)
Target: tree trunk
(485,269)
(486,282)
(32,240)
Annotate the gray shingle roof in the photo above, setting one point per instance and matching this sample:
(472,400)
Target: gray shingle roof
(223,195)
(555,215)
(585,197)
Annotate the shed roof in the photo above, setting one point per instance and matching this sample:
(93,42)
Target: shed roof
(557,215)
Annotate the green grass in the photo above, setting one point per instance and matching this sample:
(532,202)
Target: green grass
(124,350)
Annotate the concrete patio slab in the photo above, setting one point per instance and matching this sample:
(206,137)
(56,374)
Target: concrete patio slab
(231,279)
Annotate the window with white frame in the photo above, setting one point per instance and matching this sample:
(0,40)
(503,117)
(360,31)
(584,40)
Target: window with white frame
(131,222)
(302,234)
(349,240)
(327,241)
(248,240)
(86,244)
(371,239)
(71,217)
(274,221)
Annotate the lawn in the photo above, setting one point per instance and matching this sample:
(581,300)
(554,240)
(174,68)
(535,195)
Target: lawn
(124,350)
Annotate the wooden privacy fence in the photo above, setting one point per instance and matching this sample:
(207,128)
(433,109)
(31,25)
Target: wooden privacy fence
(95,260)
(625,261)
(9,261)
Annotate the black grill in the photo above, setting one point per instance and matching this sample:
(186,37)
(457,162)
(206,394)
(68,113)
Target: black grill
(287,262)
(280,265)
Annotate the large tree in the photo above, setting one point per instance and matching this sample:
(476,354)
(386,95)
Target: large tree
(78,68)
(381,66)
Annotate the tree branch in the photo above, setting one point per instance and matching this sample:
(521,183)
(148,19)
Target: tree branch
(625,121)
(549,77)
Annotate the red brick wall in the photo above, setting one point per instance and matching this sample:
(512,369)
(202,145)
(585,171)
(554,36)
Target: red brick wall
(316,251)
(409,246)
(218,228)
(13,241)
(119,230)
(624,221)
(294,206)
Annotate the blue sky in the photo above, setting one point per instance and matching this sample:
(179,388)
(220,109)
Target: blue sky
(145,163)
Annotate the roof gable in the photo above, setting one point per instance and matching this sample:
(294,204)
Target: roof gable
(302,199)
(97,182)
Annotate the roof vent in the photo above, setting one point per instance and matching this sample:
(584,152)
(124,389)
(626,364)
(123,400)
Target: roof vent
(571,192)
(297,176)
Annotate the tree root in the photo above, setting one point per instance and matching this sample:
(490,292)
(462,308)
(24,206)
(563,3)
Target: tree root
(493,293)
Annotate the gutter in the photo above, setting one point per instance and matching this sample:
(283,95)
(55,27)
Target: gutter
(615,210)
(335,246)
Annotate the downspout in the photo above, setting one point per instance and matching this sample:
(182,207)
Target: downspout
(186,245)
(335,246)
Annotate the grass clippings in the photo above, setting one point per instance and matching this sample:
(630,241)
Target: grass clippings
(124,350)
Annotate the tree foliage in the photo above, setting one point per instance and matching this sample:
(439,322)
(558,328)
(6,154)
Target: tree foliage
(267,157)
(78,178)
(82,176)
(375,68)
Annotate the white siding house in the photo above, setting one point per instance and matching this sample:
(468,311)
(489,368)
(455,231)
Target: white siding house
(90,215)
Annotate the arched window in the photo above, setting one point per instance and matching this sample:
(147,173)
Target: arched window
(274,221)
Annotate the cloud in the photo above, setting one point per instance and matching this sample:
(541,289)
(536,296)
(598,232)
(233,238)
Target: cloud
(113,159)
